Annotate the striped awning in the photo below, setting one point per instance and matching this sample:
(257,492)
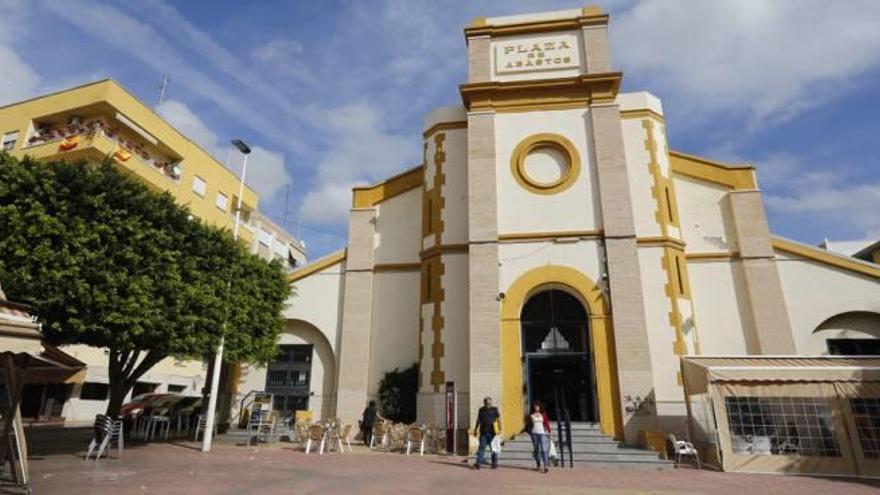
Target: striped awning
(699,371)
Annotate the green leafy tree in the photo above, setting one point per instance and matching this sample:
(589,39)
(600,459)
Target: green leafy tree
(397,394)
(104,261)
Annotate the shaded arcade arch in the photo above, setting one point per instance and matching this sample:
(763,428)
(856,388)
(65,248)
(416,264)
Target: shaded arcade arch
(851,332)
(310,334)
(593,299)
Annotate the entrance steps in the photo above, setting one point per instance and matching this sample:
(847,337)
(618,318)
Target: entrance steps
(590,447)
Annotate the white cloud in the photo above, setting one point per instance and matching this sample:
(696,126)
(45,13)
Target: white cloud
(187,122)
(359,150)
(853,206)
(284,56)
(18,80)
(754,58)
(830,197)
(266,171)
(328,203)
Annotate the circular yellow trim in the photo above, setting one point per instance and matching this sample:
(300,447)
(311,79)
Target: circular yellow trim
(546,140)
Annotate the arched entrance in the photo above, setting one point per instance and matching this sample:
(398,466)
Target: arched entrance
(557,366)
(514,390)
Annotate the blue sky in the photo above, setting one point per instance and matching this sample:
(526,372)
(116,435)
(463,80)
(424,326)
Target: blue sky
(332,94)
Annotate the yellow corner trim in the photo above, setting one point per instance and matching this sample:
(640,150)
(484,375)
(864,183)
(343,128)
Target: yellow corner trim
(601,335)
(824,257)
(517,96)
(542,236)
(536,142)
(317,265)
(661,241)
(642,113)
(397,267)
(591,16)
(443,249)
(366,196)
(735,177)
(444,126)
(711,256)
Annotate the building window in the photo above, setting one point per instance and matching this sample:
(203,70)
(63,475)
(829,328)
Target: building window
(176,389)
(199,186)
(680,277)
(222,201)
(866,414)
(9,140)
(669,205)
(854,347)
(782,426)
(143,388)
(265,237)
(94,391)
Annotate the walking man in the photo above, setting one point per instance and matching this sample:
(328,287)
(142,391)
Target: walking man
(485,430)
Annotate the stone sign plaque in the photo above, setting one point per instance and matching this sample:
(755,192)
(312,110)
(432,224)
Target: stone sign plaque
(537,54)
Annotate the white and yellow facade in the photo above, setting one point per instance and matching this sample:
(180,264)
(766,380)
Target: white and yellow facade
(102,120)
(550,179)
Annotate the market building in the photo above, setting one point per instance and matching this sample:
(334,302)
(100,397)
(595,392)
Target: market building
(552,244)
(100,121)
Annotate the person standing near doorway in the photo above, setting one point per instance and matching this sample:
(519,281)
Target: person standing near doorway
(485,430)
(539,428)
(371,414)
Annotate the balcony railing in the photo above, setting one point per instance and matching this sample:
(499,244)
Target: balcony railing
(68,136)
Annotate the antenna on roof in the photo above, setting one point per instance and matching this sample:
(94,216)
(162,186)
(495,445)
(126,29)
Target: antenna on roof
(165,80)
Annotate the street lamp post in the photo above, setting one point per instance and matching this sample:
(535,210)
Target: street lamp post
(208,435)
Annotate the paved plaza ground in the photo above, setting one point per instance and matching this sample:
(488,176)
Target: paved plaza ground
(180,468)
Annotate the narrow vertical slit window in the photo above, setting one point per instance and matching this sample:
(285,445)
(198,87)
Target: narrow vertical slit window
(680,276)
(668,204)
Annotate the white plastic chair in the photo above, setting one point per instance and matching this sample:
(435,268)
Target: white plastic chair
(684,448)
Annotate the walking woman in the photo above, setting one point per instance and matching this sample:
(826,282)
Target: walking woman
(538,426)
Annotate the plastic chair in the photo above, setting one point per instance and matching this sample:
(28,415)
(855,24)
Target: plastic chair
(340,438)
(106,433)
(380,430)
(416,436)
(317,433)
(683,448)
(200,427)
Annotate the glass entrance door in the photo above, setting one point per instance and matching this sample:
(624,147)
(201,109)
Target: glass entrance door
(556,355)
(288,379)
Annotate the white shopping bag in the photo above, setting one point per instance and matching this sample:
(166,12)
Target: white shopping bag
(496,445)
(553,453)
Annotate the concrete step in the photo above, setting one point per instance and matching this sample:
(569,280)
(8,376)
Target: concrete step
(582,448)
(627,465)
(590,447)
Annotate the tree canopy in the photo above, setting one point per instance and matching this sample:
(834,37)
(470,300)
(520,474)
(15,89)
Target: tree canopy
(105,261)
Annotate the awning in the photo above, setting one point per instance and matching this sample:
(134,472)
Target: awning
(699,371)
(44,369)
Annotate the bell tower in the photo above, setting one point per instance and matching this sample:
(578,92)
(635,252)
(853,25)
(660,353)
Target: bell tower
(545,155)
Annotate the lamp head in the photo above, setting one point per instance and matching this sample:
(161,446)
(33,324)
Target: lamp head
(244,148)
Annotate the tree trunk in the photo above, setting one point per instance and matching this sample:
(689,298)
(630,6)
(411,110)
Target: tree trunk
(124,372)
(118,391)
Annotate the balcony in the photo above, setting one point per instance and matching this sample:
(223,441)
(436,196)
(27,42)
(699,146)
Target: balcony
(96,140)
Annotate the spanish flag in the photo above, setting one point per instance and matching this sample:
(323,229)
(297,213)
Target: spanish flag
(69,143)
(121,155)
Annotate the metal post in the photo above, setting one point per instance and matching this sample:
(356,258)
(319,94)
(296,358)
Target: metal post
(208,436)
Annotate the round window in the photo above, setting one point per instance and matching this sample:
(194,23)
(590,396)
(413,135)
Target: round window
(545,163)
